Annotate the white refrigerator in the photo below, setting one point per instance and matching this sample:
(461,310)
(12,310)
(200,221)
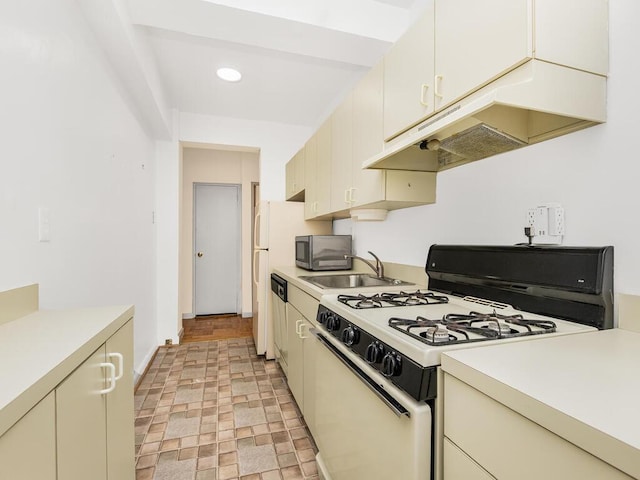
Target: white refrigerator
(276,226)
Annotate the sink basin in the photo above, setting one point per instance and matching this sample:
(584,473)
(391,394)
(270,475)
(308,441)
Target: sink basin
(352,280)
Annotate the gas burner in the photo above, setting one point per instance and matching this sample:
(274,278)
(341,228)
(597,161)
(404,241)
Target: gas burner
(437,334)
(413,298)
(361,301)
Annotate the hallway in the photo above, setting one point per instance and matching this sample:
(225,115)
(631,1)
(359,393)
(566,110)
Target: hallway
(216,411)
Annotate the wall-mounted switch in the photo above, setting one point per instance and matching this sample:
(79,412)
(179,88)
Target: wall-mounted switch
(44,225)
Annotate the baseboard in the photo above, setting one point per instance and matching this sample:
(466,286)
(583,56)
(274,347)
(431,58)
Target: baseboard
(180,335)
(146,364)
(188,316)
(247,314)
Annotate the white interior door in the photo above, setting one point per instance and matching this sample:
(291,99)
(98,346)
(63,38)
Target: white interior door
(217,247)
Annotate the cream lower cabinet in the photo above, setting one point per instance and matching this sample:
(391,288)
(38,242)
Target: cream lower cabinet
(94,427)
(28,449)
(500,443)
(301,308)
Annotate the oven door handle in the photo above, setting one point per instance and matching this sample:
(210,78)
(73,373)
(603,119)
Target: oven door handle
(395,406)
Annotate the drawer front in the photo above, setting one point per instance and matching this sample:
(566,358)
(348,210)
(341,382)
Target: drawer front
(303,302)
(508,445)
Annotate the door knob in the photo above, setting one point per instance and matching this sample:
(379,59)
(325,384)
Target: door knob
(200,254)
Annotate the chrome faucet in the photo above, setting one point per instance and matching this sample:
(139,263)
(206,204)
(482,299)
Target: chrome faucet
(378,267)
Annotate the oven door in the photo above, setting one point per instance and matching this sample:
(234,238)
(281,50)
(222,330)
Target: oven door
(364,431)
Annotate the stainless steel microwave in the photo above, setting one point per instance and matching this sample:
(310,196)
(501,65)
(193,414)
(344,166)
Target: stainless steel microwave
(323,252)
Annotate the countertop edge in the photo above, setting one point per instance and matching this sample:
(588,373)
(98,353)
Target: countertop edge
(599,444)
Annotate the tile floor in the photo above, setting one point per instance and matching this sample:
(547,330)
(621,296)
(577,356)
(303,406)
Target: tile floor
(216,411)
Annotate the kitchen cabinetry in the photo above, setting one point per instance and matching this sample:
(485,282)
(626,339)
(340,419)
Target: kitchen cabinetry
(28,449)
(341,154)
(500,441)
(317,161)
(70,403)
(408,76)
(301,308)
(357,129)
(94,434)
(458,46)
(295,177)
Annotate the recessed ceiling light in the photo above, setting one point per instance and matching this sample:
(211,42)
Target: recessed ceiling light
(229,74)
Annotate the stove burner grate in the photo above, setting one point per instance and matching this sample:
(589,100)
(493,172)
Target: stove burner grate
(473,327)
(392,299)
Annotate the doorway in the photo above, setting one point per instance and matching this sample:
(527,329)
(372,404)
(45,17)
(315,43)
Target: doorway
(217,248)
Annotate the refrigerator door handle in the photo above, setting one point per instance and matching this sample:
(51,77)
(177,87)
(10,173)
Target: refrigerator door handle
(255,266)
(256,232)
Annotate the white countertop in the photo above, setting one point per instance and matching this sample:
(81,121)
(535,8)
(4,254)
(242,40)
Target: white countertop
(39,350)
(585,388)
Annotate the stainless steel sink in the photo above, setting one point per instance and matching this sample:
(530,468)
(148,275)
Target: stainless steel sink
(352,280)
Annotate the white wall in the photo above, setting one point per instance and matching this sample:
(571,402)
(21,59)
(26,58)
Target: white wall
(222,167)
(593,173)
(70,143)
(277,142)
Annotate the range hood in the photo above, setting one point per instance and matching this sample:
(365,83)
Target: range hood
(536,101)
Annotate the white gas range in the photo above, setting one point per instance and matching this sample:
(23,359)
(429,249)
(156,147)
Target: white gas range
(392,341)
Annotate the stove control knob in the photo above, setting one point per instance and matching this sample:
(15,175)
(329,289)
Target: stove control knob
(322,317)
(350,336)
(333,322)
(391,364)
(374,352)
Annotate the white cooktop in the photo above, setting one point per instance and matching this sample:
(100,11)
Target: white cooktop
(375,321)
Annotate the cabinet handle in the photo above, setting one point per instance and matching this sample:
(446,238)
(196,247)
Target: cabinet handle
(352,197)
(120,363)
(112,378)
(436,83)
(346,195)
(423,93)
(302,325)
(298,322)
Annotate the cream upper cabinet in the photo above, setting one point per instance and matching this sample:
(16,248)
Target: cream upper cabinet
(317,165)
(408,77)
(367,185)
(294,173)
(342,154)
(476,41)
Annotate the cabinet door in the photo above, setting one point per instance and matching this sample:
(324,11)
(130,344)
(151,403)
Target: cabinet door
(290,179)
(295,321)
(309,377)
(28,449)
(311,181)
(81,422)
(367,185)
(120,410)
(409,75)
(341,154)
(476,41)
(323,169)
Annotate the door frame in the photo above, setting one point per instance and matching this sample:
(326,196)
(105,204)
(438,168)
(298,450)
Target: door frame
(239,250)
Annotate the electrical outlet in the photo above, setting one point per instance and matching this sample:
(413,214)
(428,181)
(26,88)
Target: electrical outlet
(546,223)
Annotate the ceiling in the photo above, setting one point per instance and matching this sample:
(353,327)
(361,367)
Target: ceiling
(298,57)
